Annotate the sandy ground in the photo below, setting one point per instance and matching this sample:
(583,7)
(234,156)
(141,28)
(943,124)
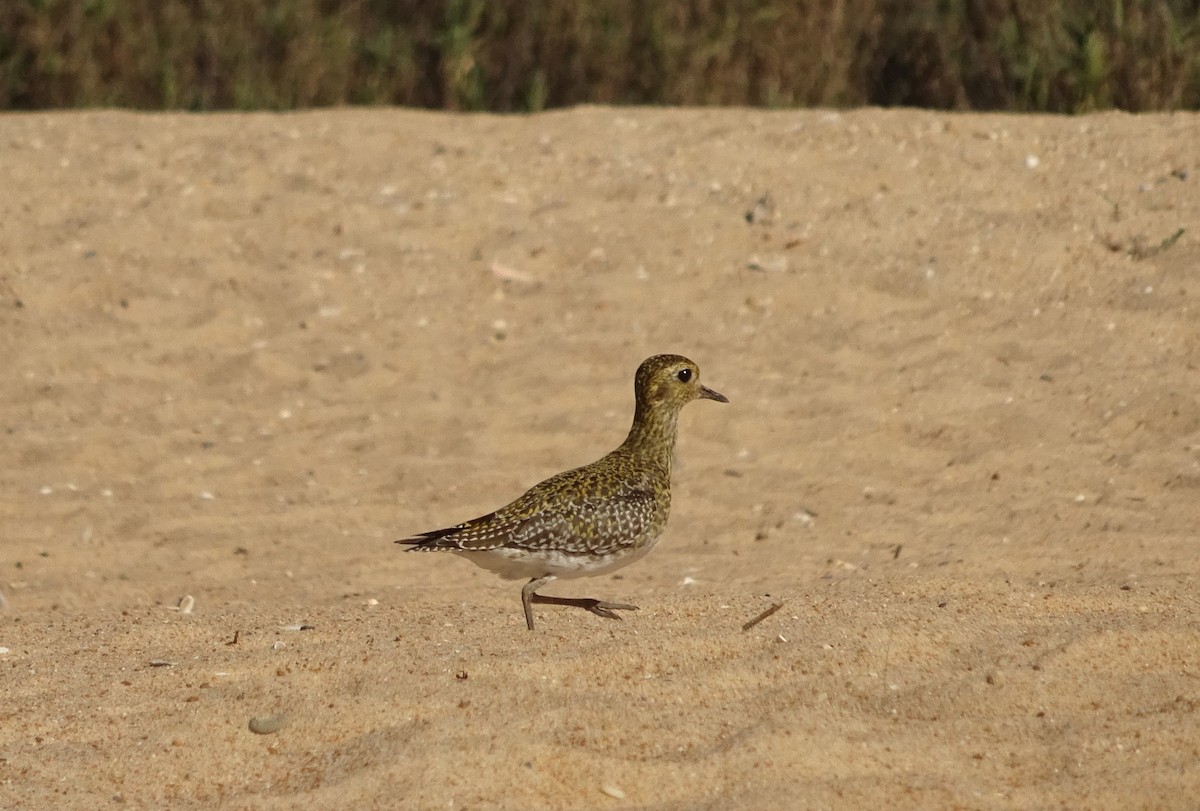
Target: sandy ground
(243,353)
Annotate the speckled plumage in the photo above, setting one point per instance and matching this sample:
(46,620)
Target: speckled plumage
(593,519)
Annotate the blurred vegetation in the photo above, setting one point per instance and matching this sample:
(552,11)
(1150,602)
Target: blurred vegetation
(505,55)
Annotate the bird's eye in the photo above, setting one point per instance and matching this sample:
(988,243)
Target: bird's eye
(684,375)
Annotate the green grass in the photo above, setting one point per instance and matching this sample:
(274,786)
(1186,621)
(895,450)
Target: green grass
(512,55)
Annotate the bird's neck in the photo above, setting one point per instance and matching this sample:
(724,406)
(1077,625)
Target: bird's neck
(652,437)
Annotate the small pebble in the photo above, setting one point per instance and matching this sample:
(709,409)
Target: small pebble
(507,274)
(613,791)
(771,264)
(762,212)
(267,724)
(162,663)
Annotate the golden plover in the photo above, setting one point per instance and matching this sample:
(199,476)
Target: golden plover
(593,519)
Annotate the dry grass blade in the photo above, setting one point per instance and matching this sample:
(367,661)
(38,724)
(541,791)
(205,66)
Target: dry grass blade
(746,626)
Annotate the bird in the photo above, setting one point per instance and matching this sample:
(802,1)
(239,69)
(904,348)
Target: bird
(590,520)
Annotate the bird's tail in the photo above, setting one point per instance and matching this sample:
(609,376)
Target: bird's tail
(424,541)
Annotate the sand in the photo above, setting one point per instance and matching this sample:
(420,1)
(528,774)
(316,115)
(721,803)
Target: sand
(244,353)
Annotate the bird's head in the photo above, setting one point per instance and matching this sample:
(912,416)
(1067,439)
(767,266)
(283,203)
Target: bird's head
(671,381)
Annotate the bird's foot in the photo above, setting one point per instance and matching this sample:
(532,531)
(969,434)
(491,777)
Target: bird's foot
(598,607)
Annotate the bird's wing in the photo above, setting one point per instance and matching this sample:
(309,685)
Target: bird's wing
(580,524)
(590,524)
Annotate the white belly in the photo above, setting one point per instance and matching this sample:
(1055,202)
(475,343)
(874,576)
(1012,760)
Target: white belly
(517,564)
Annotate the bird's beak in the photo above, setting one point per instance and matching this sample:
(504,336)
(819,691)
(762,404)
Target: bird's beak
(709,394)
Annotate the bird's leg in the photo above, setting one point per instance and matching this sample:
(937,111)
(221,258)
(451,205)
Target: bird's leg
(528,596)
(597,607)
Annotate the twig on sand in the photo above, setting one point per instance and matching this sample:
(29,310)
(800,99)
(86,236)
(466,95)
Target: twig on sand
(746,626)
